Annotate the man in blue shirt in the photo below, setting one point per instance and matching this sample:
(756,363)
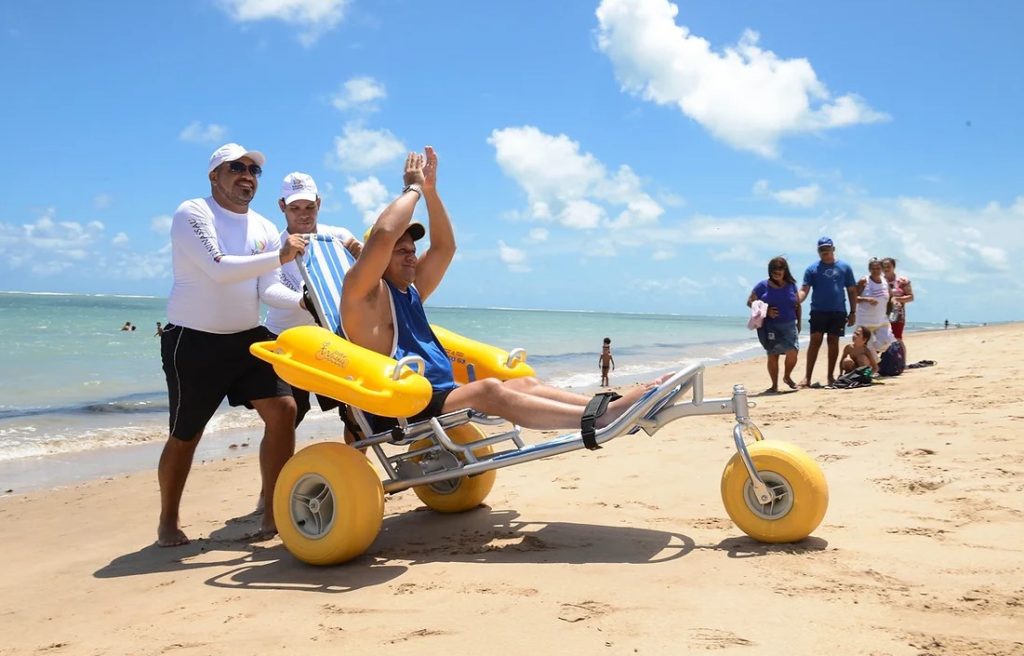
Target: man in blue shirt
(828,277)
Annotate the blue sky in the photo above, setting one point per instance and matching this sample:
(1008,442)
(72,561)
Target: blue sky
(628,155)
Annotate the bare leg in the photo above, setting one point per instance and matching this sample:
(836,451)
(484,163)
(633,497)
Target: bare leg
(812,356)
(492,397)
(530,385)
(787,378)
(172,472)
(278,413)
(833,355)
(773,371)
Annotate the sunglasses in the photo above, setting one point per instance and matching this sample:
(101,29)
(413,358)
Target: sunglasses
(239,167)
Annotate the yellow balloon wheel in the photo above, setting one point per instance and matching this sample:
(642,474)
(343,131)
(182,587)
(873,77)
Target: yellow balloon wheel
(328,504)
(460,494)
(799,485)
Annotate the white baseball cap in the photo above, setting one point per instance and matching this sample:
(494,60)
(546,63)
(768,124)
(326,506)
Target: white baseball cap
(298,186)
(229,152)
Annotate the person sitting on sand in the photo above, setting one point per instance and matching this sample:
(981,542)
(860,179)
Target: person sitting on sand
(605,360)
(857,354)
(382,310)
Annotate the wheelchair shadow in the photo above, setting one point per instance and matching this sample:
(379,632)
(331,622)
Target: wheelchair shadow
(485,535)
(481,536)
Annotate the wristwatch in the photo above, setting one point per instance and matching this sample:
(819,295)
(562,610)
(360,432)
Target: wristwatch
(414,187)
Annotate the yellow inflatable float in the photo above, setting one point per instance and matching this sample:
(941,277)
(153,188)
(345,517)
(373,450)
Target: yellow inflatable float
(486,361)
(317,360)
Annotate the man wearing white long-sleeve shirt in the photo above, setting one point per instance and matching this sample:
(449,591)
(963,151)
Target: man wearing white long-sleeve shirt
(300,203)
(224,256)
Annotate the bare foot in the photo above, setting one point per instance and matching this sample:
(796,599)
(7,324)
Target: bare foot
(805,383)
(267,531)
(170,536)
(789,382)
(831,380)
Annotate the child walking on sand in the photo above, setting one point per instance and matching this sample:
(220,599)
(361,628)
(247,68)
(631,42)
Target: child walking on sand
(857,355)
(606,360)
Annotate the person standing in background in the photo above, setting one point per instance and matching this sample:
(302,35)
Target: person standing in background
(605,360)
(872,304)
(901,292)
(829,278)
(780,331)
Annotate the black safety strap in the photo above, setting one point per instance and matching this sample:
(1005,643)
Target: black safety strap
(595,408)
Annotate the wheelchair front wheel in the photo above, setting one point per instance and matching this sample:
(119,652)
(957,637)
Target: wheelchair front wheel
(801,493)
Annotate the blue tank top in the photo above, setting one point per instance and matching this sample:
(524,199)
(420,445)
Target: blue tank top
(414,337)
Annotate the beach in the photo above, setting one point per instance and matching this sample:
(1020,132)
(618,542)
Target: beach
(625,550)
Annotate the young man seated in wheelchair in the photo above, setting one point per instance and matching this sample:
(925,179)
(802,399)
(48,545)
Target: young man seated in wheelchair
(382,310)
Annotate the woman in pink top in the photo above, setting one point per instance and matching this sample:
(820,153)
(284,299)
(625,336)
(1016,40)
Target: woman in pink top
(901,293)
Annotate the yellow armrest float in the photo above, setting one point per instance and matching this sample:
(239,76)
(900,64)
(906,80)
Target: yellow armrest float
(317,360)
(488,361)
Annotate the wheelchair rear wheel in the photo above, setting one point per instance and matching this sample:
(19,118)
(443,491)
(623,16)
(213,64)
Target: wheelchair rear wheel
(460,494)
(795,478)
(328,504)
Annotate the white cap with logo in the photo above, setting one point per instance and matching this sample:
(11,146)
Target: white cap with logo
(229,152)
(298,186)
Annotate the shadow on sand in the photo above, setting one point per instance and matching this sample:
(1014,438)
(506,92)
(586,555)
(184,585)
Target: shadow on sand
(483,535)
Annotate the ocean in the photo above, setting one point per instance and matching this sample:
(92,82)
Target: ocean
(75,384)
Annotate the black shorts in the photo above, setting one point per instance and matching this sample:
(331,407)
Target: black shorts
(302,402)
(433,409)
(202,368)
(830,323)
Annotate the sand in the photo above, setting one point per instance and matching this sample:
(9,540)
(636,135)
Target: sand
(627,550)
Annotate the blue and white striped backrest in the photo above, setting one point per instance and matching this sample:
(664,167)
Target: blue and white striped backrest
(323,269)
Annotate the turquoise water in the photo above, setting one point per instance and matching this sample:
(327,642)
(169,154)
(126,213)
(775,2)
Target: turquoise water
(73,381)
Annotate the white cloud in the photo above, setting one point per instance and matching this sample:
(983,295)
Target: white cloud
(806,196)
(369,196)
(662,254)
(316,17)
(514,258)
(196,132)
(48,246)
(744,95)
(161,225)
(568,187)
(102,201)
(360,149)
(736,253)
(538,235)
(359,93)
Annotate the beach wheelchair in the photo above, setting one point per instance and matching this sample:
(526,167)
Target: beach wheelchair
(329,499)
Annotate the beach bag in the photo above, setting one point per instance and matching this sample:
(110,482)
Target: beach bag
(857,378)
(893,360)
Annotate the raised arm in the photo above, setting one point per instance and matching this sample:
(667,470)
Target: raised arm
(365,275)
(431,267)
